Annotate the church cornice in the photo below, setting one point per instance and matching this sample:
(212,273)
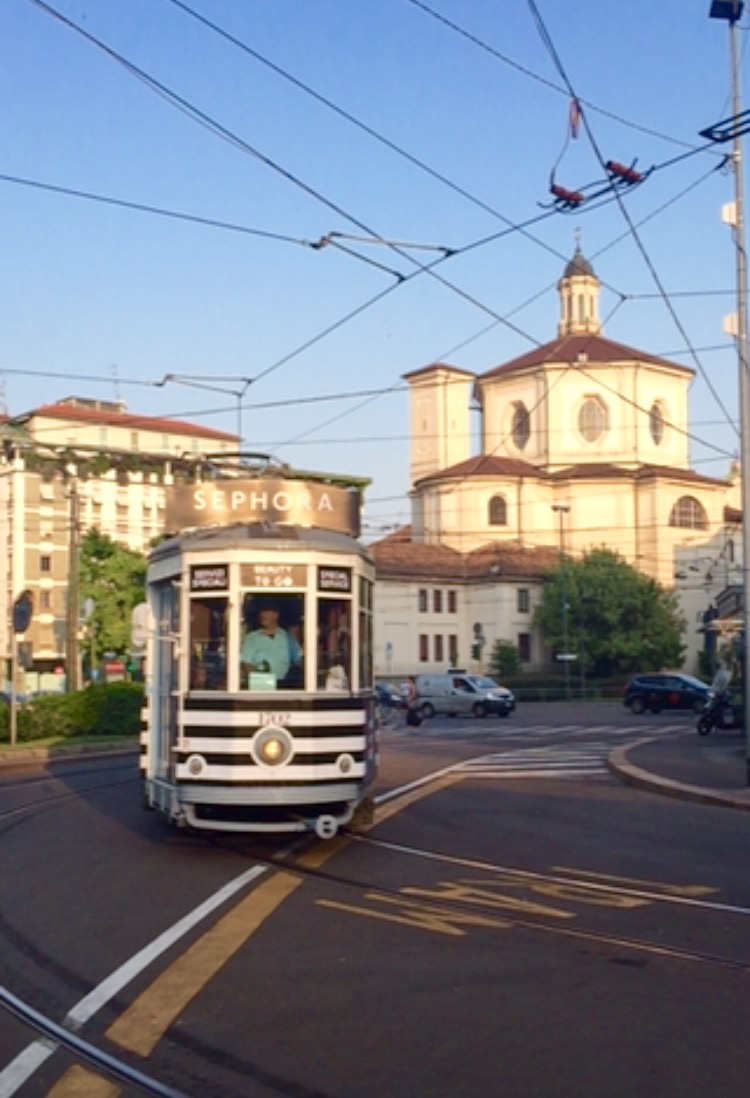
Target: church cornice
(583,350)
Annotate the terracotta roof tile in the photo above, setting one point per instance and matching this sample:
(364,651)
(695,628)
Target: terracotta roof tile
(568,349)
(127,419)
(397,557)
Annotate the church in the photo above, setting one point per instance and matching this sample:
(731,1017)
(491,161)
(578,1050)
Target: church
(583,443)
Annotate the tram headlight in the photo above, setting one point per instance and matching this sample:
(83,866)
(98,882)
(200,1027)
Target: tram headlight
(346,762)
(272,746)
(195,765)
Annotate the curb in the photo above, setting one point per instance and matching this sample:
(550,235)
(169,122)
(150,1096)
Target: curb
(38,756)
(617,763)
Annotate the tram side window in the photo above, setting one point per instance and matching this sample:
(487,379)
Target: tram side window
(334,644)
(271,656)
(208,643)
(365,632)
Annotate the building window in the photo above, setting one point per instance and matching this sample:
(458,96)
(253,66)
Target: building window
(45,564)
(45,600)
(498,511)
(656,423)
(424,648)
(438,645)
(134,443)
(592,419)
(524,647)
(437,601)
(452,602)
(522,600)
(453,649)
(521,425)
(422,600)
(689,513)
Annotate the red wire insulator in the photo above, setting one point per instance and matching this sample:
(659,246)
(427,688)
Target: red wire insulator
(575,198)
(630,175)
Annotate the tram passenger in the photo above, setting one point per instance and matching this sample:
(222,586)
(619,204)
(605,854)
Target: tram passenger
(270,647)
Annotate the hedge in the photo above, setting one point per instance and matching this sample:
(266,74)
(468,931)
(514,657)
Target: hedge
(102,709)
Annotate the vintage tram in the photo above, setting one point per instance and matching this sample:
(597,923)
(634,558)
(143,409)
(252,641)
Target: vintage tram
(258,713)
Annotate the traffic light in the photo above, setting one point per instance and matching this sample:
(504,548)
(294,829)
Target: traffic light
(476,651)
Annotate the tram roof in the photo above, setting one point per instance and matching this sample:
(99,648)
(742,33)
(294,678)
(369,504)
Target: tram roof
(243,535)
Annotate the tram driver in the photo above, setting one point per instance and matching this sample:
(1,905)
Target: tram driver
(269,649)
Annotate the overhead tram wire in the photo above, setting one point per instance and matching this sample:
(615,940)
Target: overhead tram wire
(546,38)
(227,135)
(475,40)
(158,211)
(422,165)
(220,131)
(365,128)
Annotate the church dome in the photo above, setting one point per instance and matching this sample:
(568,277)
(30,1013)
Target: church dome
(579,265)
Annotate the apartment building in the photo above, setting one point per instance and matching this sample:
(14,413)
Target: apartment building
(66,468)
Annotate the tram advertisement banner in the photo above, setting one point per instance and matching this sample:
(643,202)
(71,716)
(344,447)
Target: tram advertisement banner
(273,499)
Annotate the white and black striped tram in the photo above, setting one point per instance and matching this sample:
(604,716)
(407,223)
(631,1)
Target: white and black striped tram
(259,712)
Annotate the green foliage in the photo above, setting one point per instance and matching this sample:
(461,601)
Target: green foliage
(115,578)
(619,620)
(504,659)
(103,709)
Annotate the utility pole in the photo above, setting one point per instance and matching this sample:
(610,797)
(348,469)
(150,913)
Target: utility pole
(731,10)
(72,656)
(562,509)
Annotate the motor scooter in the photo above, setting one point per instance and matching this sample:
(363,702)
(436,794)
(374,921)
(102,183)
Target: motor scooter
(718,712)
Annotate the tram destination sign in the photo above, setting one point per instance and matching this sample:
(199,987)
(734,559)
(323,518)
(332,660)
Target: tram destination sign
(273,499)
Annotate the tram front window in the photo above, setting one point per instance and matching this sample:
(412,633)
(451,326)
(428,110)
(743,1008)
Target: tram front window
(208,644)
(271,656)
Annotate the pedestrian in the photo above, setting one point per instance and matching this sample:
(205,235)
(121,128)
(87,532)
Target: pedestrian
(413,719)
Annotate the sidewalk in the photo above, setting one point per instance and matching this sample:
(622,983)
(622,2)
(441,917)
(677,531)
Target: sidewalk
(710,769)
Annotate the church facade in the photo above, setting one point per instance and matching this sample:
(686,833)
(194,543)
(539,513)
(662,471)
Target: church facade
(583,443)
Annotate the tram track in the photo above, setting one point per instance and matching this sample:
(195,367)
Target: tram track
(570,884)
(55,800)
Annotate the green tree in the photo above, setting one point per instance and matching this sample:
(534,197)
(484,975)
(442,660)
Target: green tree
(504,660)
(115,578)
(619,620)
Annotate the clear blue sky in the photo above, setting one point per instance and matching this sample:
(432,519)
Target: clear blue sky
(434,123)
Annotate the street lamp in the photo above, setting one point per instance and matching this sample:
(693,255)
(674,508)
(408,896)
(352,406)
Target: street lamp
(562,509)
(730,11)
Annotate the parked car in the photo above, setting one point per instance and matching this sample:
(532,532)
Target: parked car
(388,695)
(460,693)
(666,690)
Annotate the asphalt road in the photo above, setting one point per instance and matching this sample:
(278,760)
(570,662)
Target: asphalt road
(516,922)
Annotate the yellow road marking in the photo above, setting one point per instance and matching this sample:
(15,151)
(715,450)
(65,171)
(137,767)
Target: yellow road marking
(419,915)
(140,1028)
(77,1082)
(143,1024)
(673,890)
(385,811)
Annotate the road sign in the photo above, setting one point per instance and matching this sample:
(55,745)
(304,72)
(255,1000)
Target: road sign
(22,611)
(566,657)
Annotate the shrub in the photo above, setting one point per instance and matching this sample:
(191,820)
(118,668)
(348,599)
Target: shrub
(103,709)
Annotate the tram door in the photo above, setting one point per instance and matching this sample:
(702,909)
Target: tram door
(165,678)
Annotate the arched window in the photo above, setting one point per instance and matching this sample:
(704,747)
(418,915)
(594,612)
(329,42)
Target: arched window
(521,425)
(498,511)
(592,419)
(656,423)
(689,513)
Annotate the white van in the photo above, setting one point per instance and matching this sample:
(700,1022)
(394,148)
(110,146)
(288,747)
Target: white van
(458,692)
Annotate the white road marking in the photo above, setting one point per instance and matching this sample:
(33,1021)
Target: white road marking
(19,1070)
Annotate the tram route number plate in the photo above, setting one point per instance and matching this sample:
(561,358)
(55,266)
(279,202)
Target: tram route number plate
(282,719)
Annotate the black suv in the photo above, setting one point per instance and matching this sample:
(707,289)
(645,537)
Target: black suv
(665,690)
